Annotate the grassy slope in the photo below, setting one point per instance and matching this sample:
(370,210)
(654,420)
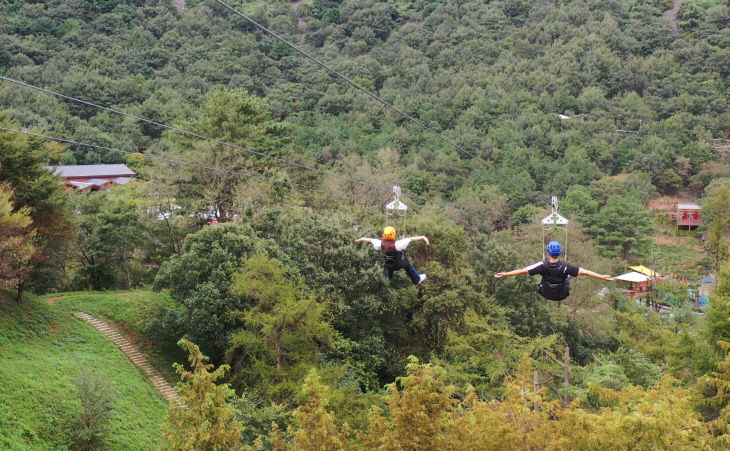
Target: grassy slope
(127,312)
(41,348)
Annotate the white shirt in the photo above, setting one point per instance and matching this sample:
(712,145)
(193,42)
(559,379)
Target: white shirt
(400,245)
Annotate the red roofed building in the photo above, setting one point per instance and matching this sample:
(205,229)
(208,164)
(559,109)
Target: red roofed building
(94,176)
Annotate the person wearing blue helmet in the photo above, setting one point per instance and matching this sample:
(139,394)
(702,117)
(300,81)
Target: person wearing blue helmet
(555,283)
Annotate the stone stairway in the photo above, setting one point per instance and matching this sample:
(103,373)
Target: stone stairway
(152,375)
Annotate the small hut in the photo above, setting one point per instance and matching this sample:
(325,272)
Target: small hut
(634,284)
(688,215)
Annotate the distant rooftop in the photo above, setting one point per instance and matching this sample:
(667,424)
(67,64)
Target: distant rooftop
(688,206)
(93,170)
(633,276)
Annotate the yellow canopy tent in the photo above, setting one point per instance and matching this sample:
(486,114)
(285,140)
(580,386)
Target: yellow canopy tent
(644,270)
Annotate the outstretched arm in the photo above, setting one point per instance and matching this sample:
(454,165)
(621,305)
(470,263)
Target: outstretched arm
(360,240)
(421,238)
(585,272)
(516,272)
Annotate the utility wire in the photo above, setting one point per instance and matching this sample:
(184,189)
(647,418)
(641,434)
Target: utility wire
(196,165)
(199,136)
(168,160)
(189,164)
(283,160)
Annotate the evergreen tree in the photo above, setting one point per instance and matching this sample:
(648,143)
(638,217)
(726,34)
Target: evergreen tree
(622,226)
(316,429)
(91,428)
(236,117)
(716,388)
(199,278)
(283,330)
(205,420)
(718,315)
(108,232)
(417,414)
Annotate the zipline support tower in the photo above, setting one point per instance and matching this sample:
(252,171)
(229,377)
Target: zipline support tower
(395,211)
(554,224)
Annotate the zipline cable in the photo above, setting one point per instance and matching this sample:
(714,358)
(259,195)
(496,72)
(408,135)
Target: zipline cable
(227,144)
(387,104)
(168,160)
(380,100)
(283,160)
(351,82)
(199,136)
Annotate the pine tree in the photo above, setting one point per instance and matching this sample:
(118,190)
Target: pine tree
(418,413)
(205,421)
(316,429)
(236,117)
(718,384)
(91,428)
(622,226)
(285,328)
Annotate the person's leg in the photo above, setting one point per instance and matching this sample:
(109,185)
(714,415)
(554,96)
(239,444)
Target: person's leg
(388,273)
(413,274)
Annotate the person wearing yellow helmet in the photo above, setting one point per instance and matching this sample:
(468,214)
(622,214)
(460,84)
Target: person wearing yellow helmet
(394,253)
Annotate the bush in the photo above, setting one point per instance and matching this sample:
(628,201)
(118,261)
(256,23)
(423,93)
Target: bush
(90,429)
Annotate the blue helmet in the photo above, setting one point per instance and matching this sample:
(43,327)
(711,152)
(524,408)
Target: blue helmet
(553,249)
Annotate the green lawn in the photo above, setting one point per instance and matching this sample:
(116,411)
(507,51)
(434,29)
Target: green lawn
(41,350)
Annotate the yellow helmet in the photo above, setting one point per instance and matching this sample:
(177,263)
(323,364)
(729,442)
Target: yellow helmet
(389,233)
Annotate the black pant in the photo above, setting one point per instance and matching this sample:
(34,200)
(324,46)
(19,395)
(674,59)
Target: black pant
(403,264)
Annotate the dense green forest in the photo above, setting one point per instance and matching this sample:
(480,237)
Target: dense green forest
(496,106)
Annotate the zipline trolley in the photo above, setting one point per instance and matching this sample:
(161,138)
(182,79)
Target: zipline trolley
(552,225)
(396,210)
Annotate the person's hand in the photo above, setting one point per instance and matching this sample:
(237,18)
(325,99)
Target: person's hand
(499,275)
(607,278)
(426,240)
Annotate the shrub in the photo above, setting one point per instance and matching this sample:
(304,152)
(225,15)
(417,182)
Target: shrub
(90,429)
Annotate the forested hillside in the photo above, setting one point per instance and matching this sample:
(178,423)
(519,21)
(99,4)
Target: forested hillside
(257,169)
